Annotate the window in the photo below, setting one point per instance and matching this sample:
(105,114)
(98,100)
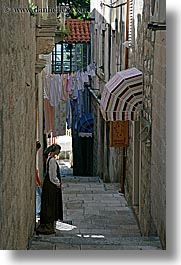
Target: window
(158,11)
(67,57)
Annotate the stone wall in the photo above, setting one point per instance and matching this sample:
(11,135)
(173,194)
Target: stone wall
(17,126)
(158,162)
(148,55)
(95,133)
(145,162)
(153,150)
(128,185)
(107,161)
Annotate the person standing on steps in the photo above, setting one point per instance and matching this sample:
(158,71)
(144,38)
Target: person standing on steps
(51,200)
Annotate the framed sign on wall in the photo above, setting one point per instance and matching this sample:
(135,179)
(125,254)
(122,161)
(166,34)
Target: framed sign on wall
(119,133)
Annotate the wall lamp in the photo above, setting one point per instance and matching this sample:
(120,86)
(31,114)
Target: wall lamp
(155,26)
(110,6)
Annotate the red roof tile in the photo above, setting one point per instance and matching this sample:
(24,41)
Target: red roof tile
(80,30)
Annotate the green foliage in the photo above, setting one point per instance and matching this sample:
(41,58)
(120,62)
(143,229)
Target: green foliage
(64,33)
(76,8)
(32,8)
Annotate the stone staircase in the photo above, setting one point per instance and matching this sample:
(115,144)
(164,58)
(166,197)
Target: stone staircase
(97,217)
(64,242)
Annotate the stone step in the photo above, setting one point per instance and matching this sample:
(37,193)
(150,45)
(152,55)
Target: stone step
(95,242)
(96,217)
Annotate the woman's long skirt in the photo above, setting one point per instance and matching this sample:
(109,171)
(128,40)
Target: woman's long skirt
(51,206)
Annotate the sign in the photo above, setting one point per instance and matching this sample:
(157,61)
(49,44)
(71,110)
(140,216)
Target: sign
(119,133)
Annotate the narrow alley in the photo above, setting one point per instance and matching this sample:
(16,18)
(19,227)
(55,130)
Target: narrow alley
(96,217)
(83,88)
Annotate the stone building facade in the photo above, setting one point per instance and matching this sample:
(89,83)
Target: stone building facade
(131,36)
(21,44)
(106,55)
(149,54)
(158,138)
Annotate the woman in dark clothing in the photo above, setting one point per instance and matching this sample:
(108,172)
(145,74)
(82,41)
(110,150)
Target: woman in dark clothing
(51,203)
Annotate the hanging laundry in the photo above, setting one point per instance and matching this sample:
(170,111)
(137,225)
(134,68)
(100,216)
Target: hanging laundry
(69,83)
(55,87)
(64,94)
(48,116)
(58,88)
(85,77)
(47,85)
(80,105)
(52,91)
(74,104)
(60,119)
(91,70)
(80,82)
(68,114)
(65,100)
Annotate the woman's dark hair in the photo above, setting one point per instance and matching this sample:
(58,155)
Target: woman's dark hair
(55,147)
(52,148)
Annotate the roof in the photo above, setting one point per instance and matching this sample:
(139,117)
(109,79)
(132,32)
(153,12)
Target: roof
(80,30)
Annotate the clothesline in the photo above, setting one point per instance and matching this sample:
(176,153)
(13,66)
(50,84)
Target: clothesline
(64,99)
(62,86)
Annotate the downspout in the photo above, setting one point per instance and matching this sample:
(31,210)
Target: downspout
(126,35)
(110,31)
(125,67)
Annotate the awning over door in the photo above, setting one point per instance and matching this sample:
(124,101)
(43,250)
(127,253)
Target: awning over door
(122,96)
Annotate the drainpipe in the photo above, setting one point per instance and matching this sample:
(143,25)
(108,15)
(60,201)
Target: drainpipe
(110,34)
(125,67)
(127,35)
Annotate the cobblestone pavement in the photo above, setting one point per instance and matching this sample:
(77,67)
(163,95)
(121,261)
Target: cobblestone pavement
(96,217)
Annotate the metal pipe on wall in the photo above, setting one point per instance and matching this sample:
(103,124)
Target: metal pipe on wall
(127,35)
(125,67)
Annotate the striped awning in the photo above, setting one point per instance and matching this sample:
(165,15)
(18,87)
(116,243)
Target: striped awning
(122,96)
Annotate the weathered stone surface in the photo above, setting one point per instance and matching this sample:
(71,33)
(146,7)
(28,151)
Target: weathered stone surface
(96,229)
(150,49)
(45,45)
(158,161)
(18,122)
(17,127)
